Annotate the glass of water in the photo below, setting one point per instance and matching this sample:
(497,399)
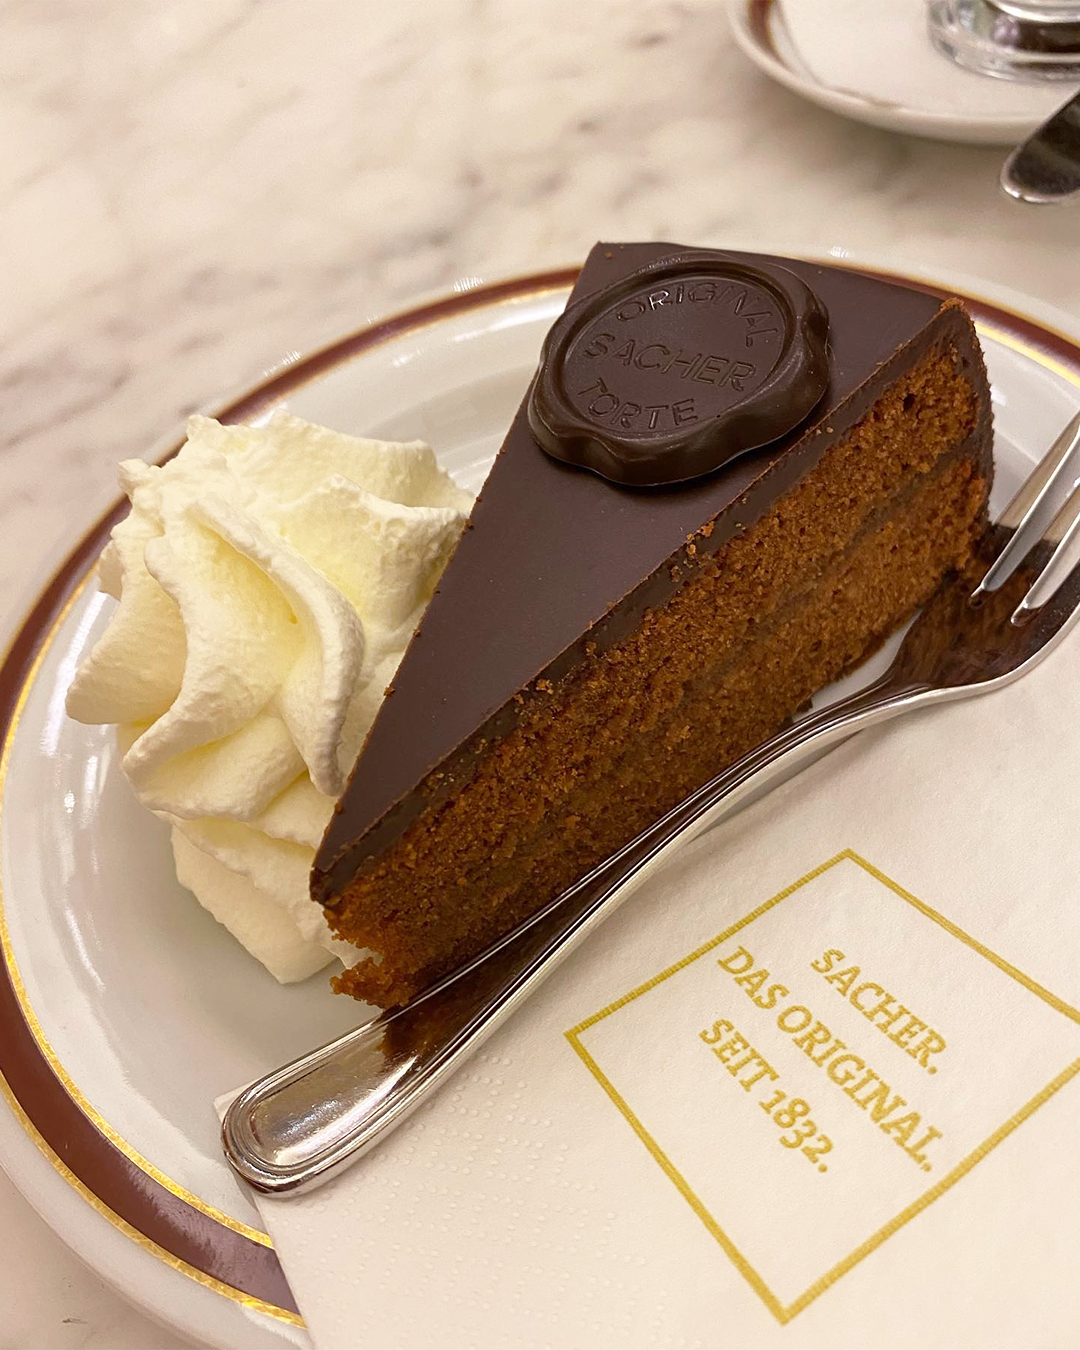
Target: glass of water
(1010,39)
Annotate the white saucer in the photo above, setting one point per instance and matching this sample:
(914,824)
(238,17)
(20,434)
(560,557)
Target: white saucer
(763,34)
(124,1009)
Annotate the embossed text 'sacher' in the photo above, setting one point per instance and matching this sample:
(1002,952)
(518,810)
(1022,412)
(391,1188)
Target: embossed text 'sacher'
(628,336)
(688,363)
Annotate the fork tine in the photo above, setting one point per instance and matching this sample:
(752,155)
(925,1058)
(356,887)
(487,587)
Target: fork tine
(1059,533)
(1024,506)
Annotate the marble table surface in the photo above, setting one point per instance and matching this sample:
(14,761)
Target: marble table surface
(192,190)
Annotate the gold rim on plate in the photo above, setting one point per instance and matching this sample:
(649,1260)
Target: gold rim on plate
(178,1227)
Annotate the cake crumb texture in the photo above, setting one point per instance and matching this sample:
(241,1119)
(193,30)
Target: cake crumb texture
(782,608)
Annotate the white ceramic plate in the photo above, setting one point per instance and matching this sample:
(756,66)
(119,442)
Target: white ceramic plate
(760,30)
(124,1009)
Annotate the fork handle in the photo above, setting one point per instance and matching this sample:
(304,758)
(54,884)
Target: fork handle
(299,1126)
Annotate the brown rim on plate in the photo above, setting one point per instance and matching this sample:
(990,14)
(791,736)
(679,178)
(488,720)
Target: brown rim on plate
(178,1227)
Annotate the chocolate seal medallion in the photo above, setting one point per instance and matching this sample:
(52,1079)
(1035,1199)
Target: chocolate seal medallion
(685,364)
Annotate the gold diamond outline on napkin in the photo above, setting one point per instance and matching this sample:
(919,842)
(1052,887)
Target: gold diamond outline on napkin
(782,1313)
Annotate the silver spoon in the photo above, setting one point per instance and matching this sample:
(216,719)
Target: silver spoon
(1045,169)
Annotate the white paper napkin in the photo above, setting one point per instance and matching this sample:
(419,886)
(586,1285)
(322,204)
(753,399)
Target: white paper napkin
(628,1182)
(879,50)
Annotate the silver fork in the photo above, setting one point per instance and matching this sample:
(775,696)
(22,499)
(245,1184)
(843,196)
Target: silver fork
(302,1124)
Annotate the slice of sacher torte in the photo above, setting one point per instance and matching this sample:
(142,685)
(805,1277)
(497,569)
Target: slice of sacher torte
(732,477)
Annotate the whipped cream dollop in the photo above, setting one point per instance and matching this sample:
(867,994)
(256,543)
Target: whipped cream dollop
(268,580)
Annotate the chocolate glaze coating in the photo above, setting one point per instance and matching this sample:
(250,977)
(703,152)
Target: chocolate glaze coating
(558,563)
(685,364)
